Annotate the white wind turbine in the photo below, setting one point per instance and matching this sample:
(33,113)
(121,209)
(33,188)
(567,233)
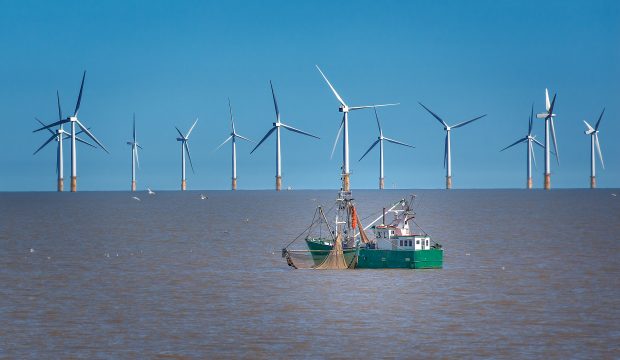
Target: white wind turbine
(233,136)
(276,127)
(529,139)
(134,155)
(447,158)
(344,108)
(74,120)
(185,149)
(59,135)
(593,132)
(379,141)
(548,116)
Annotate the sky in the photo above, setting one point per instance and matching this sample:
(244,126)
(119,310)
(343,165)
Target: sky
(170,62)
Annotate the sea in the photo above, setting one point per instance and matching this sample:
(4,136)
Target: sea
(103,275)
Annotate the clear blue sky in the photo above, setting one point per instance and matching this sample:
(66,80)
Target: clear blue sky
(170,62)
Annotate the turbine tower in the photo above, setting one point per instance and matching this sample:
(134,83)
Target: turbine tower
(447,158)
(276,127)
(529,139)
(134,155)
(344,109)
(59,135)
(184,149)
(233,136)
(548,116)
(593,132)
(379,141)
(74,120)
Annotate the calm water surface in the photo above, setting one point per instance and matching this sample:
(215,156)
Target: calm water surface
(527,274)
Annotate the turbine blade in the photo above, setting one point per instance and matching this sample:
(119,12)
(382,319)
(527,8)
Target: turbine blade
(244,138)
(180,133)
(533,155)
(139,147)
(370,148)
(59,109)
(135,150)
(555,143)
(337,137)
(552,105)
(188,155)
(371,106)
(468,121)
(275,102)
(435,115)
(83,141)
(190,129)
(222,144)
(397,142)
(598,147)
(79,101)
(547,106)
(514,143)
(331,87)
(91,135)
(590,128)
(531,123)
(232,120)
(539,143)
(45,143)
(134,127)
(599,119)
(378,124)
(52,125)
(48,129)
(298,131)
(264,138)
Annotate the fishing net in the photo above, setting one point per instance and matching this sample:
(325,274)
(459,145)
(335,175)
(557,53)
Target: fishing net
(336,258)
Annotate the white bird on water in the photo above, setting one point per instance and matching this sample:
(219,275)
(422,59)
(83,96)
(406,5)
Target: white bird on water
(135,198)
(203,197)
(151,192)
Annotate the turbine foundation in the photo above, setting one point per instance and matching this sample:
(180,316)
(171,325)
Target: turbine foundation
(592,182)
(61,184)
(381,183)
(183,185)
(529,183)
(547,181)
(133,186)
(73,183)
(345,182)
(448,182)
(234,184)
(278,183)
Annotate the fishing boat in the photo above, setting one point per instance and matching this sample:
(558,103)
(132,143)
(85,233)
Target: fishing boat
(398,243)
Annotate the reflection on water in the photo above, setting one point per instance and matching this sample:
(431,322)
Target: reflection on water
(90,275)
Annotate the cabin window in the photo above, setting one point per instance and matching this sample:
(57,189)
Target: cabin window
(417,242)
(410,242)
(426,242)
(401,243)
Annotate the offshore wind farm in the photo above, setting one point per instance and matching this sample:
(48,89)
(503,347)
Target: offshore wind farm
(435,222)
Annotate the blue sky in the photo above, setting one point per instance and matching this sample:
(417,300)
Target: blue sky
(170,62)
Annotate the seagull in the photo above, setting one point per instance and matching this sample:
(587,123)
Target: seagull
(151,192)
(136,198)
(614,195)
(203,197)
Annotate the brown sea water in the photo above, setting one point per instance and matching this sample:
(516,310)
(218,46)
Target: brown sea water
(527,274)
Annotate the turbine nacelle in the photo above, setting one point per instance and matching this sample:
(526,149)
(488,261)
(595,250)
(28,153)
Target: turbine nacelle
(72,118)
(544,115)
(343,109)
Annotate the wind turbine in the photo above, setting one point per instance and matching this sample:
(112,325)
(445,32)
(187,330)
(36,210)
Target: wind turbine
(548,116)
(134,155)
(529,139)
(233,136)
(344,109)
(593,132)
(184,149)
(447,159)
(276,127)
(74,120)
(379,141)
(59,135)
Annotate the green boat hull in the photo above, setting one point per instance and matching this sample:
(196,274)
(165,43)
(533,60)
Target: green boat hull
(380,258)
